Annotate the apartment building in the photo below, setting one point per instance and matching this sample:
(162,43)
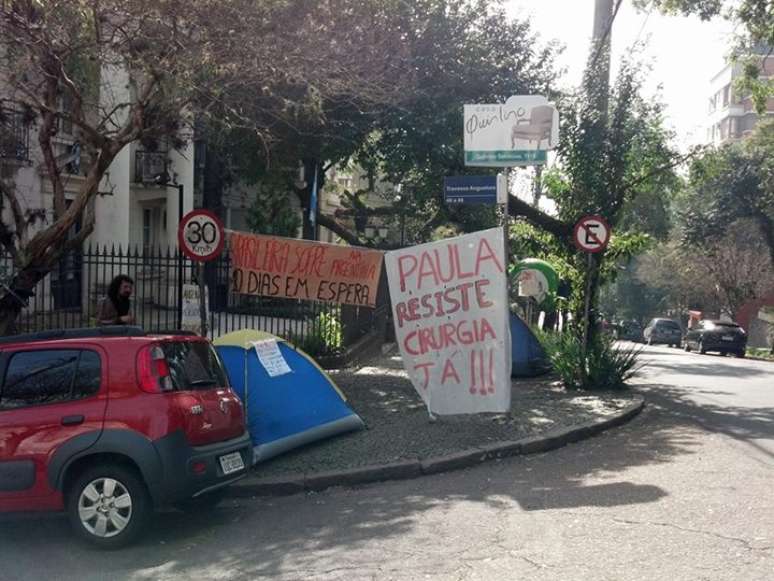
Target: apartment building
(732,116)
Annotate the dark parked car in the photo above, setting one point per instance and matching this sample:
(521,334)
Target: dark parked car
(721,336)
(630,331)
(665,331)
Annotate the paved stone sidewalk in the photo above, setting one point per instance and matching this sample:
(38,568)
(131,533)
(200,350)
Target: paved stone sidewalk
(400,441)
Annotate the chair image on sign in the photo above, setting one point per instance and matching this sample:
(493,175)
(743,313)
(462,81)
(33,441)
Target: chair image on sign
(289,410)
(537,128)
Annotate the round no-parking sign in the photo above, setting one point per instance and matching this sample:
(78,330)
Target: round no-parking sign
(591,234)
(201,235)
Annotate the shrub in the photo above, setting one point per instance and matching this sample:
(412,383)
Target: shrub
(324,336)
(606,366)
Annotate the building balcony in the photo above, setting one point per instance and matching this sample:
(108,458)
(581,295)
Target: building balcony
(148,165)
(14,134)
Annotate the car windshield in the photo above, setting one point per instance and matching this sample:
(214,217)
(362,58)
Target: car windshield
(668,325)
(193,365)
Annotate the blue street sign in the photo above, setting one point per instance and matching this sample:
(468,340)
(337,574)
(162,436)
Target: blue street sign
(470,190)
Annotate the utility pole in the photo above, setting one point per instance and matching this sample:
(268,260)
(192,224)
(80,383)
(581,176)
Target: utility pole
(598,88)
(600,49)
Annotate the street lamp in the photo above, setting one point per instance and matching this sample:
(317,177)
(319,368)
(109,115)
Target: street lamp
(401,204)
(163,180)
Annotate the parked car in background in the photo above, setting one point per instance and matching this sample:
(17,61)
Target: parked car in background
(720,336)
(109,423)
(663,331)
(630,331)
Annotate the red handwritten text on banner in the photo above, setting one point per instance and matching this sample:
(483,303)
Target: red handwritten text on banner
(304,269)
(449,302)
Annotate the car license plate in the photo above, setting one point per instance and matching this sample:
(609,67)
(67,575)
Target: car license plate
(727,338)
(231,463)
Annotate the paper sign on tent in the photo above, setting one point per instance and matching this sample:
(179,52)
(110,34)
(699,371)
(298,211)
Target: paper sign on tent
(271,358)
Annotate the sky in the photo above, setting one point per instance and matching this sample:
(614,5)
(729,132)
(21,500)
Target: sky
(684,52)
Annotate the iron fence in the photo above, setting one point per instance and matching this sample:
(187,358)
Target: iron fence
(70,295)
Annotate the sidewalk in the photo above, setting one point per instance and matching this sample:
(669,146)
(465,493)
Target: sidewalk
(401,442)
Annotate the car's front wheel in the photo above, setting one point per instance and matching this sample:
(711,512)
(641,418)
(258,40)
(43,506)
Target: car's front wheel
(108,505)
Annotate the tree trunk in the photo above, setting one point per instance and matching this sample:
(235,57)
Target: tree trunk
(20,289)
(767,229)
(43,252)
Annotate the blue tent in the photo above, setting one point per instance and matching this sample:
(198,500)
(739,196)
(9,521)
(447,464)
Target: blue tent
(289,410)
(529,357)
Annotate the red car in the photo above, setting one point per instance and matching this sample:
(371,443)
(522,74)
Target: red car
(109,423)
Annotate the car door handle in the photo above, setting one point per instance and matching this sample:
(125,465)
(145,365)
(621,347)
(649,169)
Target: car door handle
(72,420)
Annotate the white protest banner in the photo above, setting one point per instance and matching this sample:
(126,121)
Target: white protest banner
(450,307)
(271,357)
(192,319)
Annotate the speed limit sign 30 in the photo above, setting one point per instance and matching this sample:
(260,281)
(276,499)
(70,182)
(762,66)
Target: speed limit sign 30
(201,235)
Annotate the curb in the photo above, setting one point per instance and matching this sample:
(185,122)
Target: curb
(314,482)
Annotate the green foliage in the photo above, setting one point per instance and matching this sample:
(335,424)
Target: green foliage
(613,165)
(728,184)
(270,212)
(760,353)
(461,51)
(445,231)
(614,159)
(324,337)
(604,368)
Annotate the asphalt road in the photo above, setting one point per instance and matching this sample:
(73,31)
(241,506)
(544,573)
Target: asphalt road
(683,492)
(728,395)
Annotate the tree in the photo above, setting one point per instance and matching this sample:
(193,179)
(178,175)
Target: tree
(677,278)
(460,51)
(728,184)
(607,164)
(129,68)
(59,51)
(738,265)
(271,214)
(338,63)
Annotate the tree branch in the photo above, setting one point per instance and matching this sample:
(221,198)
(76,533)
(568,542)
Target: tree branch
(16,211)
(520,208)
(338,229)
(661,169)
(45,133)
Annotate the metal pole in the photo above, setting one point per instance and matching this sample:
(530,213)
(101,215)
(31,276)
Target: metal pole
(179,260)
(586,312)
(202,299)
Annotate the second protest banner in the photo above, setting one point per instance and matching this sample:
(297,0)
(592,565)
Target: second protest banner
(450,307)
(303,269)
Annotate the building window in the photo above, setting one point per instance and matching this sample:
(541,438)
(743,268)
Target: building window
(147,228)
(14,134)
